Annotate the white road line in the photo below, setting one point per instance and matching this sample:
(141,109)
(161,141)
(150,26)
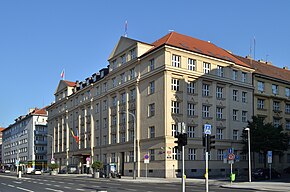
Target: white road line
(56,185)
(23,189)
(70,183)
(11,185)
(3,183)
(67,187)
(47,184)
(80,189)
(60,182)
(53,190)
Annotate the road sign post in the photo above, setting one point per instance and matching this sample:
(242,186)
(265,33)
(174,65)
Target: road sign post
(207,132)
(270,155)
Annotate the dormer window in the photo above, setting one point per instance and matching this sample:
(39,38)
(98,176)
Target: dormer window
(132,53)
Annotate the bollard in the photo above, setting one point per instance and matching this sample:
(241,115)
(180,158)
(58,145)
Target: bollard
(19,174)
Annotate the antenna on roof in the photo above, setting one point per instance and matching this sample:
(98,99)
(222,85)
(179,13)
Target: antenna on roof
(126,28)
(254,48)
(267,55)
(170,30)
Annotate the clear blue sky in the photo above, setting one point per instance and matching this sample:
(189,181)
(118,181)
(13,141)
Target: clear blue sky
(40,38)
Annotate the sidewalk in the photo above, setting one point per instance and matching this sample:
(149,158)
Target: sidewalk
(261,186)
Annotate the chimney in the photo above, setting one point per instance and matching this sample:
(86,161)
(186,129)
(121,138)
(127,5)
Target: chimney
(249,57)
(269,63)
(261,61)
(285,67)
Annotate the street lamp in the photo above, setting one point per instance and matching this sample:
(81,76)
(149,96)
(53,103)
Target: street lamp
(249,147)
(52,159)
(134,141)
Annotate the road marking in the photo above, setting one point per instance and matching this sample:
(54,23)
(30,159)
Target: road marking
(60,182)
(24,189)
(3,183)
(67,187)
(11,185)
(56,185)
(53,190)
(70,183)
(80,189)
(18,182)
(47,184)
(131,189)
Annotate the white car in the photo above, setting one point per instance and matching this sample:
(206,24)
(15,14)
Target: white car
(7,171)
(36,172)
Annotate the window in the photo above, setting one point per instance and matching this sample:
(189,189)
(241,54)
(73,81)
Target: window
(114,64)
(105,105)
(191,154)
(132,94)
(235,95)
(114,120)
(276,122)
(244,116)
(244,77)
(219,92)
(123,118)
(190,131)
(123,78)
(261,86)
(175,107)
(132,73)
(133,53)
(152,154)
(131,156)
(190,109)
(219,133)
(220,71)
(287,108)
(151,65)
(176,154)
(235,135)
(123,137)
(276,106)
(104,87)
(174,130)
(176,60)
(114,82)
(123,59)
(205,111)
(191,64)
(287,124)
(220,154)
(151,110)
(190,87)
(260,103)
(244,97)
(205,90)
(123,98)
(287,92)
(105,123)
(105,139)
(275,89)
(151,132)
(97,108)
(113,139)
(114,101)
(206,67)
(151,87)
(235,74)
(235,115)
(175,84)
(219,113)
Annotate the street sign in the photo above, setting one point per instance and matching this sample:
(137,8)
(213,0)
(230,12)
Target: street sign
(230,150)
(270,155)
(207,129)
(17,162)
(231,161)
(231,157)
(146,158)
(237,158)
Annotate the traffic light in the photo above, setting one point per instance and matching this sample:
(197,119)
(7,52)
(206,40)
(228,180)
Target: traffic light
(210,142)
(181,140)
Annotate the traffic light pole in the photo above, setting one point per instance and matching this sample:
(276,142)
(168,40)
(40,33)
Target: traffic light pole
(206,171)
(183,174)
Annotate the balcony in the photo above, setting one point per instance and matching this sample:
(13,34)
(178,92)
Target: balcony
(40,151)
(41,123)
(40,132)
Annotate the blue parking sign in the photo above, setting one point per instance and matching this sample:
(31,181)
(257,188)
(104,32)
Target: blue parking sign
(207,129)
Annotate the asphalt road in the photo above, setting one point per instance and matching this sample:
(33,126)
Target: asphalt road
(46,183)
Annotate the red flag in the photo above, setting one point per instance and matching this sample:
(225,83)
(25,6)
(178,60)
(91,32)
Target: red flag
(62,74)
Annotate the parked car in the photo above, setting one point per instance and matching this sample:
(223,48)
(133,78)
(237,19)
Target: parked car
(36,172)
(262,173)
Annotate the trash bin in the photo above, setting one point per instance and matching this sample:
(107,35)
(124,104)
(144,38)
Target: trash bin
(233,177)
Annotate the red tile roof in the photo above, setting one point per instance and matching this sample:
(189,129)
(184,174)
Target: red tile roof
(1,129)
(69,83)
(196,45)
(40,111)
(266,69)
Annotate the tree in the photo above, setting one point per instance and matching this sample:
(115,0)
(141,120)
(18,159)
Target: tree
(265,137)
(53,166)
(97,165)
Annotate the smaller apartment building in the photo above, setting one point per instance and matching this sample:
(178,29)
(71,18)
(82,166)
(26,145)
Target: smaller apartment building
(1,129)
(271,101)
(25,141)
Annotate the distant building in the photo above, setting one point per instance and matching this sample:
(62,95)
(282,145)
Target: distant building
(25,141)
(1,129)
(271,101)
(155,86)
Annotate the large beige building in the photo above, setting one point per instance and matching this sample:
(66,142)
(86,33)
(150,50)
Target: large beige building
(271,101)
(154,86)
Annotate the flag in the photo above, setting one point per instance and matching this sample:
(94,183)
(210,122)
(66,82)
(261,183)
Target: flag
(62,74)
(75,136)
(126,27)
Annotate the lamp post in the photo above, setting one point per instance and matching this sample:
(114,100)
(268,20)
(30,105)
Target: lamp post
(52,159)
(134,141)
(249,147)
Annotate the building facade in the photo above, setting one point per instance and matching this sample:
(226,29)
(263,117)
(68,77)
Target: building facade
(144,93)
(1,129)
(25,141)
(271,102)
